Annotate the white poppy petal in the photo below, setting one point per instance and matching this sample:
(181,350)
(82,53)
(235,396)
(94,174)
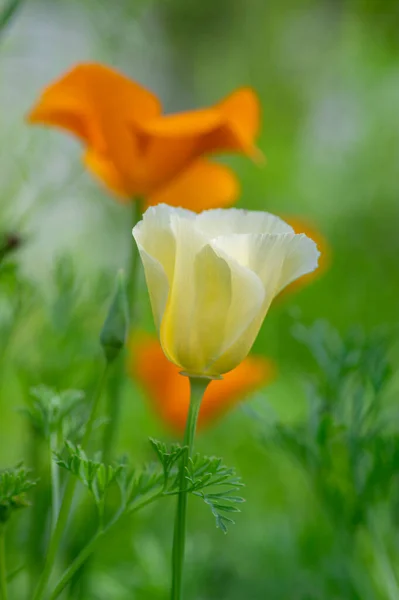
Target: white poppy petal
(301,258)
(157,284)
(156,234)
(218,222)
(177,324)
(212,278)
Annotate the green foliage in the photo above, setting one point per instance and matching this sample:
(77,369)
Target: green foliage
(94,475)
(168,456)
(51,412)
(142,485)
(205,475)
(136,486)
(14,483)
(349,444)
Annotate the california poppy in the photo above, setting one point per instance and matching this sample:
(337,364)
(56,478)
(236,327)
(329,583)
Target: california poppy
(212,278)
(137,151)
(170,392)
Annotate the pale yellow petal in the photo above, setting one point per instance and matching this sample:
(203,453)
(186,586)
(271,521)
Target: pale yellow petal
(208,311)
(277,260)
(219,222)
(177,330)
(301,258)
(156,234)
(213,296)
(212,278)
(157,284)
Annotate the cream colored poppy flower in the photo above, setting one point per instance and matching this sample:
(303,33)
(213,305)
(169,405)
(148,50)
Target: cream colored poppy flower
(212,277)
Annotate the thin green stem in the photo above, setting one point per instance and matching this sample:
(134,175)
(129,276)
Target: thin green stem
(3,570)
(88,550)
(66,504)
(94,405)
(113,408)
(55,482)
(8,13)
(197,386)
(134,259)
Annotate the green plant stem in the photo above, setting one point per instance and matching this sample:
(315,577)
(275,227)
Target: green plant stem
(3,571)
(197,389)
(88,550)
(66,504)
(113,408)
(134,259)
(55,483)
(8,13)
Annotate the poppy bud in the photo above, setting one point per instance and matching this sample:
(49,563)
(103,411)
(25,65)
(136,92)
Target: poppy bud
(116,325)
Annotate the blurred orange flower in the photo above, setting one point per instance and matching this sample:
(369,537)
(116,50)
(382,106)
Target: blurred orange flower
(136,151)
(302,225)
(170,392)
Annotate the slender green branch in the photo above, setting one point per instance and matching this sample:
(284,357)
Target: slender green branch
(94,405)
(114,401)
(55,483)
(66,504)
(83,555)
(134,259)
(8,13)
(198,387)
(90,547)
(3,571)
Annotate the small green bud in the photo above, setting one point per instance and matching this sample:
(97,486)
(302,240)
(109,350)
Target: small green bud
(114,332)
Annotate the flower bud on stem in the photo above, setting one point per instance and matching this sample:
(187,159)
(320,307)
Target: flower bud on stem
(114,332)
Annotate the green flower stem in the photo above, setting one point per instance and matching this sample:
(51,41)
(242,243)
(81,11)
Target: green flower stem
(8,13)
(88,550)
(65,508)
(114,400)
(3,571)
(55,482)
(197,386)
(134,258)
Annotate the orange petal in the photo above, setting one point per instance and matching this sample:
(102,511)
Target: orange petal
(65,112)
(105,171)
(92,92)
(301,225)
(101,107)
(231,125)
(171,142)
(221,395)
(131,146)
(242,111)
(169,391)
(201,186)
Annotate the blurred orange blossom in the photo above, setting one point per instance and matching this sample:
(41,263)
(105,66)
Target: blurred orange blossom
(303,225)
(170,392)
(137,151)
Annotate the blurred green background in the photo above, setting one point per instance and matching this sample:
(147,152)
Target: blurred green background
(327,73)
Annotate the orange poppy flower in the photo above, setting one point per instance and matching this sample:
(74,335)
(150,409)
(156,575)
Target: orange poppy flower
(170,392)
(301,225)
(137,151)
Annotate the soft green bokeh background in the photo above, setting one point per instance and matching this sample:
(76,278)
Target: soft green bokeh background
(327,73)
